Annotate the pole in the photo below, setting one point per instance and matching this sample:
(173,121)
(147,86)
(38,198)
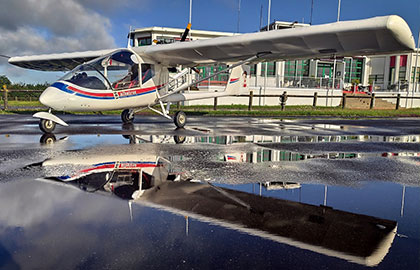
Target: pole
(325,195)
(338,11)
(190,11)
(402,202)
(415,67)
(312,11)
(335,66)
(266,63)
(5,97)
(239,15)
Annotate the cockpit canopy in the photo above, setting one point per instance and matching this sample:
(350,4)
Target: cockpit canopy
(118,70)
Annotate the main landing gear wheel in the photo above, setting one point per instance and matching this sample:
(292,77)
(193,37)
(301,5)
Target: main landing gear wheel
(180,119)
(179,139)
(127,117)
(46,126)
(47,138)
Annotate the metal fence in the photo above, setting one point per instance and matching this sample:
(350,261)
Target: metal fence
(33,95)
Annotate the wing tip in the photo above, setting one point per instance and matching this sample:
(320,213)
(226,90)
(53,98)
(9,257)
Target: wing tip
(401,31)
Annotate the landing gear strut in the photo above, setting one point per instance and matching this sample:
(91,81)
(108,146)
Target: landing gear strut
(46,126)
(180,119)
(127,116)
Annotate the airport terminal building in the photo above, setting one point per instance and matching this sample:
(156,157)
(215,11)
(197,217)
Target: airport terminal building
(383,73)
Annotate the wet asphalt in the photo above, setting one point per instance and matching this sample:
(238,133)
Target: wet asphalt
(362,166)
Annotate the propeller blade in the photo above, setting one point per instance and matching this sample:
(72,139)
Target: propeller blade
(187,30)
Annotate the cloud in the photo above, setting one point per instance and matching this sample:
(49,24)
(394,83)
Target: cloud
(48,26)
(30,27)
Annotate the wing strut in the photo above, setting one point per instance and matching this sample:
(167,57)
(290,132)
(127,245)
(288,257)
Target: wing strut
(161,99)
(213,75)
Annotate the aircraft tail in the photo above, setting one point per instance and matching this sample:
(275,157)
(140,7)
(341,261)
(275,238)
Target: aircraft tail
(238,80)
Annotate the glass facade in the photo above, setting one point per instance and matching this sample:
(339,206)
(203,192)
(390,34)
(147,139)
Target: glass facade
(354,69)
(376,79)
(210,70)
(298,68)
(417,74)
(271,69)
(144,41)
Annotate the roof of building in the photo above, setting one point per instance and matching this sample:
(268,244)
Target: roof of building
(172,30)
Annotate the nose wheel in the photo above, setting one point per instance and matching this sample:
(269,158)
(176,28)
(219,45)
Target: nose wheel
(127,116)
(180,119)
(46,126)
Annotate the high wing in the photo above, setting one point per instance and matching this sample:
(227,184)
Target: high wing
(379,35)
(58,61)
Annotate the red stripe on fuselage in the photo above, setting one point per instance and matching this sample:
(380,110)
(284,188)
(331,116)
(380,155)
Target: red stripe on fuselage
(89,93)
(126,92)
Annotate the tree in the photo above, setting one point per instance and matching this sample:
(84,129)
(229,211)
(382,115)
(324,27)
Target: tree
(4,81)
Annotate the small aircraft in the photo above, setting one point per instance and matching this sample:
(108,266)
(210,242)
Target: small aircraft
(136,78)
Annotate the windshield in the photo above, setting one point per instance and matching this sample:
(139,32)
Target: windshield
(116,71)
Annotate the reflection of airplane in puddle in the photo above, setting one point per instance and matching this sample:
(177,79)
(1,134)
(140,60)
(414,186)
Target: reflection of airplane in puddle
(146,179)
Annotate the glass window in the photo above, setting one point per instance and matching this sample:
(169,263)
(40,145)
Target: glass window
(144,41)
(401,75)
(165,40)
(271,69)
(417,74)
(88,75)
(377,79)
(354,69)
(119,70)
(122,70)
(253,69)
(296,68)
(147,72)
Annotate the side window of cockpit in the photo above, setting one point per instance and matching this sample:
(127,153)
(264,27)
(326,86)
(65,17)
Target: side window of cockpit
(147,72)
(122,70)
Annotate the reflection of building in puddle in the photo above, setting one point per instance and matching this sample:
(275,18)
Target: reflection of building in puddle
(404,154)
(229,140)
(269,155)
(281,185)
(145,179)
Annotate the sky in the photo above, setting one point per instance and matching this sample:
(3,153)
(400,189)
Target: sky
(30,27)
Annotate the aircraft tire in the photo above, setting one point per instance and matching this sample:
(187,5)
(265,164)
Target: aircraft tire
(125,117)
(180,119)
(46,126)
(47,138)
(179,139)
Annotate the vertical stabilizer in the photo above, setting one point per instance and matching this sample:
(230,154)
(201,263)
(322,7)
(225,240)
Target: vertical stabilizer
(238,82)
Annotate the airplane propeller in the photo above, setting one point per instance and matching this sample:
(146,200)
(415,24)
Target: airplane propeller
(184,37)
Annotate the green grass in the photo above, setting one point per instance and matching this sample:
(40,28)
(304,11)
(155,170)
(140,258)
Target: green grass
(242,110)
(13,103)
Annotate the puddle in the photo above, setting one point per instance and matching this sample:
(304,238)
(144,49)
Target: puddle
(113,201)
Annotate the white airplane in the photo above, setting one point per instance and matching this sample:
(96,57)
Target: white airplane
(136,78)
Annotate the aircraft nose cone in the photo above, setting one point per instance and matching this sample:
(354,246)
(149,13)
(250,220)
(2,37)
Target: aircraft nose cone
(45,97)
(52,98)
